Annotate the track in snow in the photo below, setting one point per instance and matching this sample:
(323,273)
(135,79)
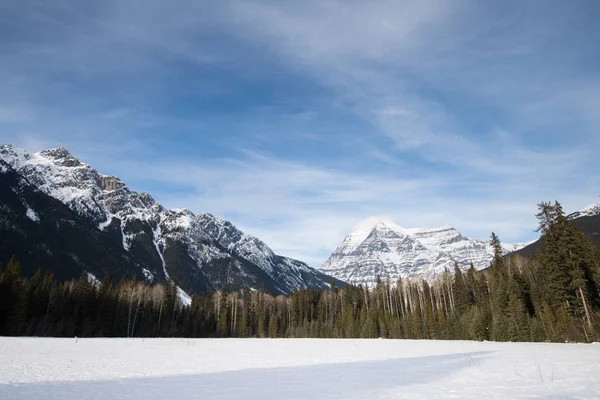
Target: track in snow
(34,368)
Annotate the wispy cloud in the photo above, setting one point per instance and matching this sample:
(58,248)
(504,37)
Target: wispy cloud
(298,119)
(304,211)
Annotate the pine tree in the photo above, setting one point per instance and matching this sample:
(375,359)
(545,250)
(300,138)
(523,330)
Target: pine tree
(516,315)
(554,279)
(430,331)
(13,306)
(498,261)
(567,270)
(273,325)
(460,291)
(245,321)
(498,291)
(81,298)
(552,295)
(223,327)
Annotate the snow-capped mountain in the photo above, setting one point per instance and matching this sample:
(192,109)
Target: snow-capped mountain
(391,252)
(589,211)
(128,231)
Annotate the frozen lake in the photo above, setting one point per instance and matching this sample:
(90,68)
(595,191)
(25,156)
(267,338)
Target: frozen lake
(44,368)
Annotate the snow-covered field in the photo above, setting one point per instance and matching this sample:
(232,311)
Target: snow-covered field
(33,368)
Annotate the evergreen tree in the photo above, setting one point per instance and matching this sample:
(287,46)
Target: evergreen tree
(223,327)
(460,291)
(516,315)
(13,305)
(273,326)
(552,295)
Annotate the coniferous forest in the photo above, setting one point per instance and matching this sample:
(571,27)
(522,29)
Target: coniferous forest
(551,296)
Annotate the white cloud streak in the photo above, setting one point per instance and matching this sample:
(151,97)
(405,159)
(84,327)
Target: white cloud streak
(415,73)
(304,211)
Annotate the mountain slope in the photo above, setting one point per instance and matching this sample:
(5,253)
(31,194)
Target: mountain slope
(128,232)
(587,220)
(391,252)
(43,232)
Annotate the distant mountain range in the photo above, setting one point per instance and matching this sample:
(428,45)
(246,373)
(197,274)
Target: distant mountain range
(389,251)
(63,216)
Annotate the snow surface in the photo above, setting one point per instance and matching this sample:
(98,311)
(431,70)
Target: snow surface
(93,280)
(34,368)
(32,215)
(148,275)
(184,298)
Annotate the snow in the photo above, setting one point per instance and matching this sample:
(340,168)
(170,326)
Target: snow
(102,225)
(183,219)
(102,198)
(34,368)
(184,298)
(32,215)
(590,210)
(93,280)
(155,237)
(391,252)
(126,238)
(509,248)
(148,275)
(364,229)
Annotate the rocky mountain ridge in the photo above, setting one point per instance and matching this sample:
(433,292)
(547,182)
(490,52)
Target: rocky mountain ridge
(389,251)
(200,252)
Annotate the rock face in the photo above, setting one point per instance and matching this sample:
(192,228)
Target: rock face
(62,215)
(390,252)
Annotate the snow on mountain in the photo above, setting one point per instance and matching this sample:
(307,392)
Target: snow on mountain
(589,211)
(32,215)
(201,251)
(391,252)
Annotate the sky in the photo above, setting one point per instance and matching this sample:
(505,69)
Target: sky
(296,120)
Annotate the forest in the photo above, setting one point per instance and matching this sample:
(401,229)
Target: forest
(552,295)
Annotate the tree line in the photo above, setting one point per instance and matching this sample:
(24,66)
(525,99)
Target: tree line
(551,296)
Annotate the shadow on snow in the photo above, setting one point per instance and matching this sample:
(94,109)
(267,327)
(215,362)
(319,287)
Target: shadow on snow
(323,381)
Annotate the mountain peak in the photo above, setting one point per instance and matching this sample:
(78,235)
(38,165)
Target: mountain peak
(388,226)
(381,248)
(129,231)
(57,152)
(590,210)
(61,156)
(13,155)
(370,224)
(385,224)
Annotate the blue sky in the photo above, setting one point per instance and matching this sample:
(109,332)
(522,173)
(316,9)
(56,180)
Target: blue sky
(296,120)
